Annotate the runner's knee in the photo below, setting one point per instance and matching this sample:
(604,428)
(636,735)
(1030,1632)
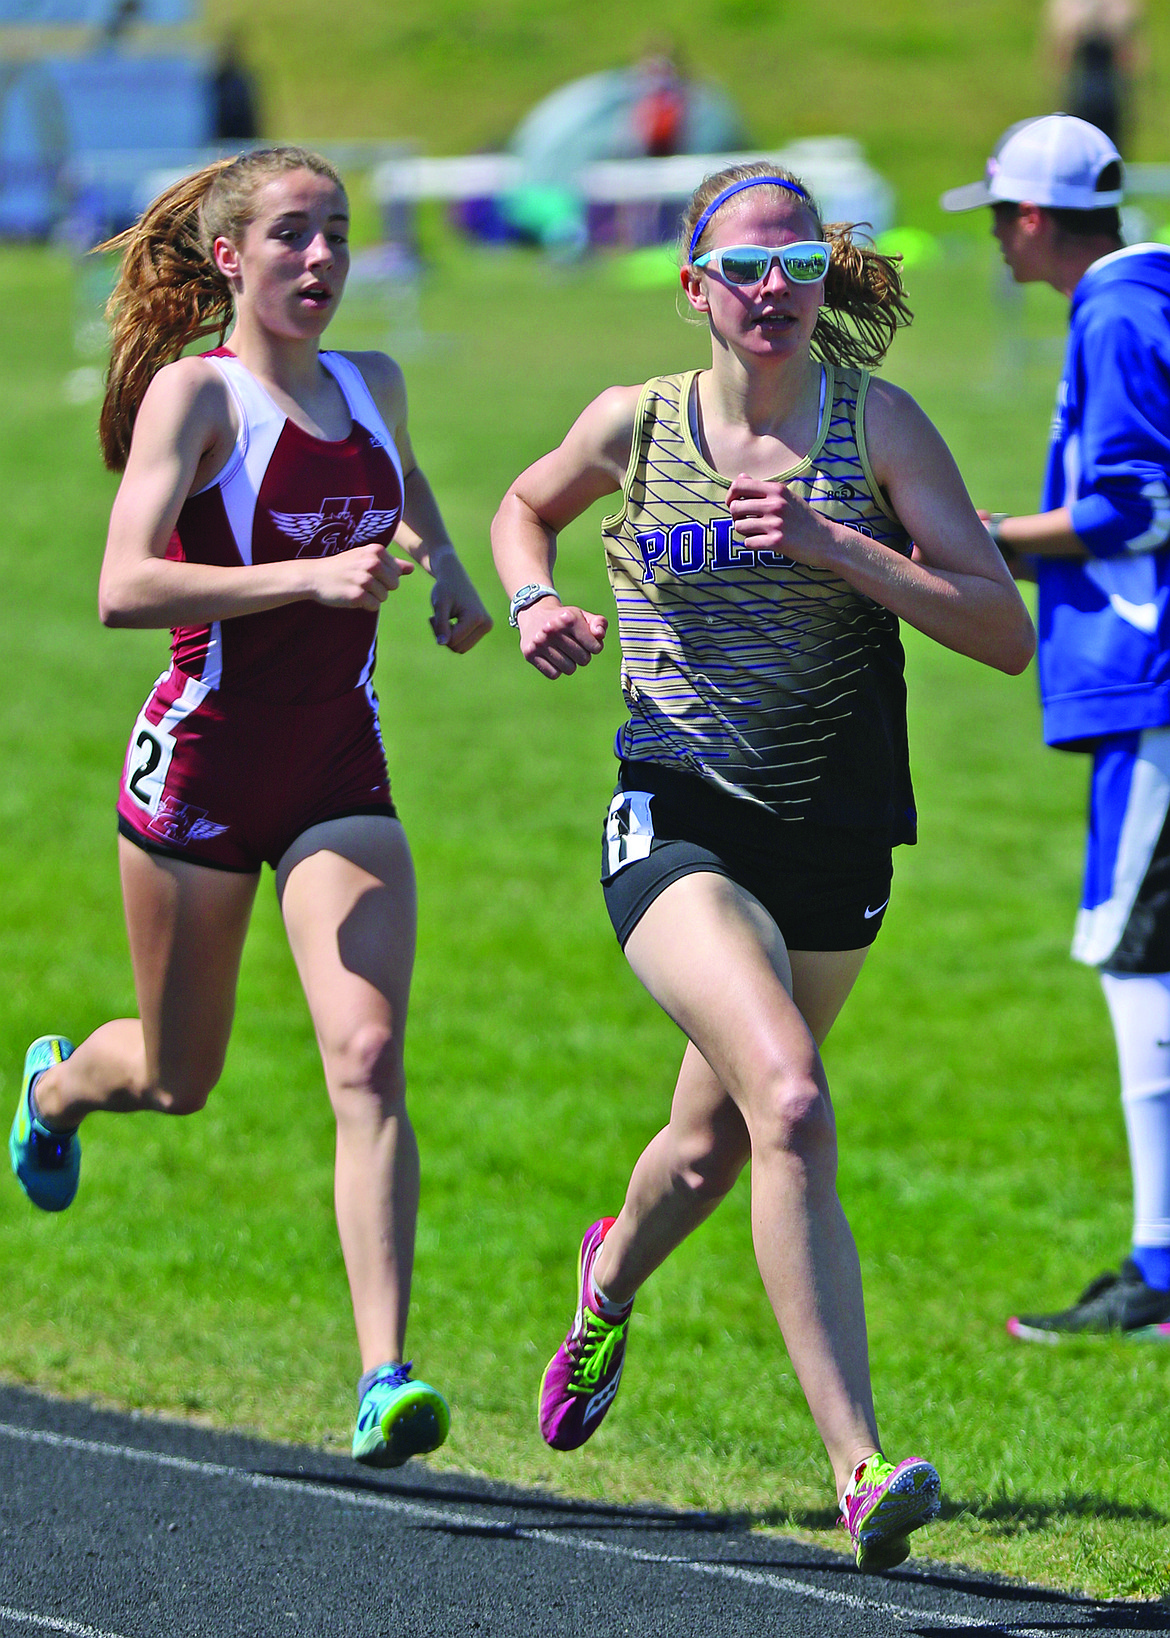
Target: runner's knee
(183,1089)
(790,1114)
(710,1160)
(366,1063)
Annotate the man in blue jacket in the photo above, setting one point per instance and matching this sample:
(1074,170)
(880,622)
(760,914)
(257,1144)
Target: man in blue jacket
(1100,553)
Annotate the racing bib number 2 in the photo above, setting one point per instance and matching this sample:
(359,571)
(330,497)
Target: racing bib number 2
(148,762)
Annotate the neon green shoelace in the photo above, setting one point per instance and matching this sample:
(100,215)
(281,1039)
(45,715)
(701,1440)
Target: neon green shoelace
(877,1470)
(595,1350)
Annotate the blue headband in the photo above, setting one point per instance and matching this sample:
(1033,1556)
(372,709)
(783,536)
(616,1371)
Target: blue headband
(738,187)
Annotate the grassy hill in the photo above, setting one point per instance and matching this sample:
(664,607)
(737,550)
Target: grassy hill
(926,87)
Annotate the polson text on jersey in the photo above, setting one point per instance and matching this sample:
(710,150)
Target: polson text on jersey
(689,548)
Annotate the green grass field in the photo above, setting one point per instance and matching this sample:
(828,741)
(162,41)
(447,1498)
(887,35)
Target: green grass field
(983,1162)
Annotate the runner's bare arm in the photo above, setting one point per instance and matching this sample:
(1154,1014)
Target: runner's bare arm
(459,619)
(183,436)
(590,463)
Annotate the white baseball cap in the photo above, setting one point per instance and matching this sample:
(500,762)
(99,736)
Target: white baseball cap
(1054,160)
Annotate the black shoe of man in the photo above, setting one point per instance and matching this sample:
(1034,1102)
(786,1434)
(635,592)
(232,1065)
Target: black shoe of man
(1119,1302)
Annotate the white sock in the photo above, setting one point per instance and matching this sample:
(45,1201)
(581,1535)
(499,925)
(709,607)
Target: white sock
(605,1306)
(1139,1004)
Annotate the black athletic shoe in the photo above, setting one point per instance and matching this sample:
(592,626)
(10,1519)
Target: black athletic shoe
(1120,1302)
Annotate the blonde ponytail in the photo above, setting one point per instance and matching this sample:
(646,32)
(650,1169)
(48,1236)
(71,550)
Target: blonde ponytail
(865,302)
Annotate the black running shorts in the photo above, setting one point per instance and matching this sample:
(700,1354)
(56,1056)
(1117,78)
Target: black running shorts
(826,887)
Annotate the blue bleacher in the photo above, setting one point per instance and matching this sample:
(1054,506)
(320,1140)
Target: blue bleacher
(77,131)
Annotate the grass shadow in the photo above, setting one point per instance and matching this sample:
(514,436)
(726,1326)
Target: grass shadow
(1009,1515)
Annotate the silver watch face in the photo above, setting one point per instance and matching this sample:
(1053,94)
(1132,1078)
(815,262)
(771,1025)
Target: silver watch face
(526,596)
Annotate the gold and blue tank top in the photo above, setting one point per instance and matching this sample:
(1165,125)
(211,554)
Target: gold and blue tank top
(772,680)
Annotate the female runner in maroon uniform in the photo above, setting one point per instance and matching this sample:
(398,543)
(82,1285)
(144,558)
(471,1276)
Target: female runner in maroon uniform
(263,483)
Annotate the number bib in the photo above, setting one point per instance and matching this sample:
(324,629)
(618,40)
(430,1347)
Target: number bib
(629,830)
(148,761)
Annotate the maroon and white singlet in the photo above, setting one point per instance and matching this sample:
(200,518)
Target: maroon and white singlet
(267,723)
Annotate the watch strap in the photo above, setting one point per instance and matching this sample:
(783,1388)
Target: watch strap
(526,596)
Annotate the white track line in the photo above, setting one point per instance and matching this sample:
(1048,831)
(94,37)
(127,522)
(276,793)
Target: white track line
(51,1623)
(382,1502)
(732,1572)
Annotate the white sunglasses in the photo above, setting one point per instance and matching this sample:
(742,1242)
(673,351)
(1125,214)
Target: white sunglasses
(806,262)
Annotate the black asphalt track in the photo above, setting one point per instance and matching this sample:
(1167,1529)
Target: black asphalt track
(129,1527)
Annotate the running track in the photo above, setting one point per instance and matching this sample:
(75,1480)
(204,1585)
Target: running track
(126,1527)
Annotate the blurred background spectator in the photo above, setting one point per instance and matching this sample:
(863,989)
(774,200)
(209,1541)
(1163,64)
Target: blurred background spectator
(661,111)
(234,104)
(1095,46)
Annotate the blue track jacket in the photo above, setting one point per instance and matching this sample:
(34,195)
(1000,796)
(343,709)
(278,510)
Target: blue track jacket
(1104,624)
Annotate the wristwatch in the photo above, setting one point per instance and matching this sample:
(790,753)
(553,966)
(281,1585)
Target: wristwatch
(992,527)
(526,596)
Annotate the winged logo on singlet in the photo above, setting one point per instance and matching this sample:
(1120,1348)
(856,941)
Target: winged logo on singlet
(342,522)
(181,822)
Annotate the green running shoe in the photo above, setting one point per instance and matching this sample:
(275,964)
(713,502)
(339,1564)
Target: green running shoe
(47,1164)
(398,1419)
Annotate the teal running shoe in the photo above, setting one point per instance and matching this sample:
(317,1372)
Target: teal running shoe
(882,1504)
(398,1419)
(47,1164)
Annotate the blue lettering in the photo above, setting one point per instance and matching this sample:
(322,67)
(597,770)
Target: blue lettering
(728,556)
(773,560)
(688,548)
(652,546)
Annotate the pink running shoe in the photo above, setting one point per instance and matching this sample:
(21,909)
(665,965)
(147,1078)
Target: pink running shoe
(883,1503)
(582,1378)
